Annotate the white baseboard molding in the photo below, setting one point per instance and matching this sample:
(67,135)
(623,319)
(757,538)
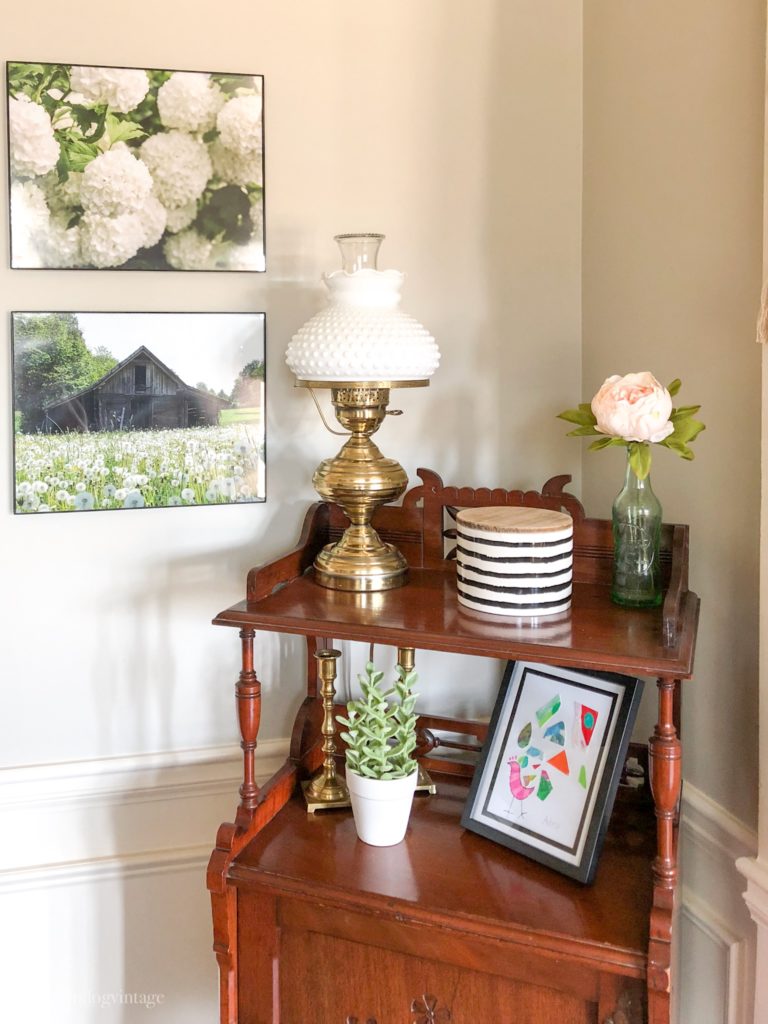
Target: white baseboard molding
(712,841)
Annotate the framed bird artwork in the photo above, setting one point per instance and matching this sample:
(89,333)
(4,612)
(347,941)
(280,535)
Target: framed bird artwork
(551,764)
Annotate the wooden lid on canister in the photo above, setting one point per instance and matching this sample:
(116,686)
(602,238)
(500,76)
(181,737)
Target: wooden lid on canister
(514,519)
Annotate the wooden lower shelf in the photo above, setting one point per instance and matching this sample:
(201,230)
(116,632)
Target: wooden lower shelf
(449,878)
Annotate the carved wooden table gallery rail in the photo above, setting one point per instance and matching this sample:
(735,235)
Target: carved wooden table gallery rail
(312,925)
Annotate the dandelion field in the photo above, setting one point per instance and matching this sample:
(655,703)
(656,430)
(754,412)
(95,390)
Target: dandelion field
(75,472)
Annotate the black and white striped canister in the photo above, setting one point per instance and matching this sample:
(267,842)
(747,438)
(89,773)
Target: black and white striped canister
(514,561)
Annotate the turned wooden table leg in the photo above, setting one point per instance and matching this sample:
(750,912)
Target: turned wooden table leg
(249,715)
(666,780)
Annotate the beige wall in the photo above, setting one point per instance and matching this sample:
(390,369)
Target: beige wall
(455,129)
(456,133)
(673,107)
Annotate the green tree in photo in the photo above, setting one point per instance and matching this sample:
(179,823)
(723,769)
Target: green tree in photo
(247,388)
(51,363)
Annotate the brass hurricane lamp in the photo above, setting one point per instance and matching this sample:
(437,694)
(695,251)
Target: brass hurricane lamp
(360,347)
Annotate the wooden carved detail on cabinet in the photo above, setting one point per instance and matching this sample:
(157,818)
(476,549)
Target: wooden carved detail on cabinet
(425,1010)
(354,1020)
(628,1010)
(435,497)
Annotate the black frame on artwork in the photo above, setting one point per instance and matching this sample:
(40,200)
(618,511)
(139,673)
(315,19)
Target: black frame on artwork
(138,263)
(622,694)
(258,316)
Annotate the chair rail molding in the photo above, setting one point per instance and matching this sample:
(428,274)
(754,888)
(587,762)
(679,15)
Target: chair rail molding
(114,813)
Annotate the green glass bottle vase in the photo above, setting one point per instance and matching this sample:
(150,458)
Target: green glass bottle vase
(636,536)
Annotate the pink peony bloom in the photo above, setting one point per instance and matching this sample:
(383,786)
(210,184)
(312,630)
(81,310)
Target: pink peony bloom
(634,407)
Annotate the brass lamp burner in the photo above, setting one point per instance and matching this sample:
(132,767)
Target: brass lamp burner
(360,479)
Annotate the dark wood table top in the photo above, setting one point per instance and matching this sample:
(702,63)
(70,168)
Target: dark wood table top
(443,874)
(426,614)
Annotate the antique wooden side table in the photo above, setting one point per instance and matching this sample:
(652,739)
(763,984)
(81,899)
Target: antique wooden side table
(311,925)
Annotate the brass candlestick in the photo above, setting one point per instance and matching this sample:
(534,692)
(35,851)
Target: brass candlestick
(360,479)
(326,789)
(406,659)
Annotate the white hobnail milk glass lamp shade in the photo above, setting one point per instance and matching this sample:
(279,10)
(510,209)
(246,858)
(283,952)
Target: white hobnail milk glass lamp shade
(362,334)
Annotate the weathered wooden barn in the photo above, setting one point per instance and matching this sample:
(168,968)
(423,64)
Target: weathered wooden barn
(140,393)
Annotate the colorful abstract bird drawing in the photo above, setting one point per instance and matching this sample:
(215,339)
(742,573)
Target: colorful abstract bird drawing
(517,787)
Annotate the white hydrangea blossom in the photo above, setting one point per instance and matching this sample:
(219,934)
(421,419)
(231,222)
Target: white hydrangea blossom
(236,168)
(60,244)
(62,195)
(29,222)
(180,217)
(122,89)
(188,250)
(110,241)
(179,165)
(189,100)
(34,149)
(239,124)
(153,216)
(115,182)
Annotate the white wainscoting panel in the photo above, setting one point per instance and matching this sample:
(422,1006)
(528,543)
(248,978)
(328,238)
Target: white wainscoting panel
(105,915)
(717,948)
(756,897)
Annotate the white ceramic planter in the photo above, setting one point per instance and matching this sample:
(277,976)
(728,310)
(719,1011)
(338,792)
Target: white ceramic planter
(381,807)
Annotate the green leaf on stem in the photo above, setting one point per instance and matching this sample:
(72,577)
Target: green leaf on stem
(640,458)
(683,411)
(122,131)
(583,416)
(607,442)
(583,432)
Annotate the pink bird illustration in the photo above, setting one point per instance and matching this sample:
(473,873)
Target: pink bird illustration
(517,788)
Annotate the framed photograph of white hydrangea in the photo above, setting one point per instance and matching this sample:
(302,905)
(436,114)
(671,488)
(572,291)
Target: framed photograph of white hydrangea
(135,169)
(137,410)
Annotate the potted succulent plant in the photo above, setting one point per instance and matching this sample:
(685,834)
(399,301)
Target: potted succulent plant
(381,771)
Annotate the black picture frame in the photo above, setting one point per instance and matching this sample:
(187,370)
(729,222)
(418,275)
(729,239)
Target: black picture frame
(137,410)
(558,737)
(185,194)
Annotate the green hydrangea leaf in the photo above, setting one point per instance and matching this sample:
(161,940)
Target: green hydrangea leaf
(122,131)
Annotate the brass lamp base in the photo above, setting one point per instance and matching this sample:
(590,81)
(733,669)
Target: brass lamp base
(360,479)
(360,561)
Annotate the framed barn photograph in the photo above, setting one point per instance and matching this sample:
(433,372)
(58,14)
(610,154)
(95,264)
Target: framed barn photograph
(551,764)
(135,168)
(137,410)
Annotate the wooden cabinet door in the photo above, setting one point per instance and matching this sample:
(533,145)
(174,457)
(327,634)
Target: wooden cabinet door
(328,980)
